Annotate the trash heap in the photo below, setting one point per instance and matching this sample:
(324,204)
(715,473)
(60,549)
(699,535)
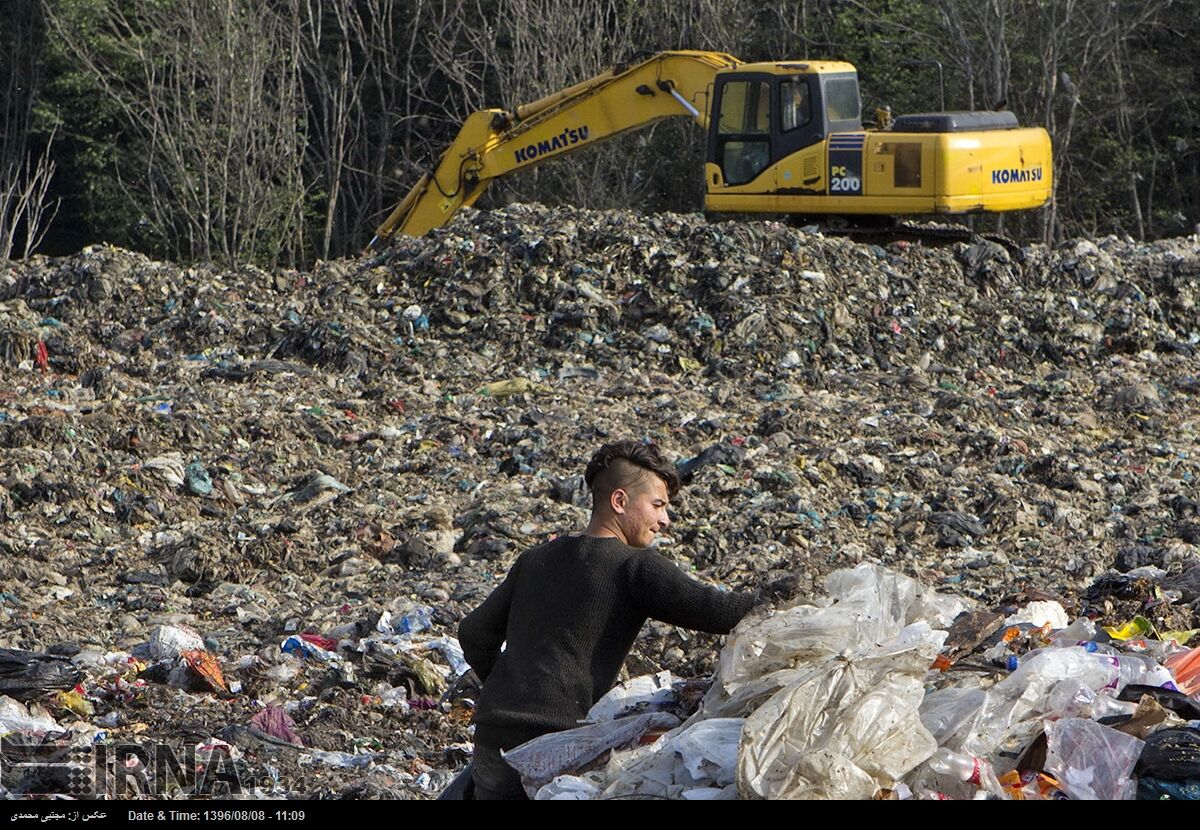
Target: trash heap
(242,512)
(886,689)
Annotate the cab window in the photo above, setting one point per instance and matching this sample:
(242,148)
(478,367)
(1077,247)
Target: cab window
(743,138)
(841,99)
(795,106)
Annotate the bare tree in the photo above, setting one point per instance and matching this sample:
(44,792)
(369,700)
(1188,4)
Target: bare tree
(358,62)
(1076,41)
(26,208)
(532,48)
(386,83)
(210,92)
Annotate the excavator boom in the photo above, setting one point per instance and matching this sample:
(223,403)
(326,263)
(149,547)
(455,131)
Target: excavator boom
(494,142)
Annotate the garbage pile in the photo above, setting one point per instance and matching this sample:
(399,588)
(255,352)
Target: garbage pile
(886,689)
(241,512)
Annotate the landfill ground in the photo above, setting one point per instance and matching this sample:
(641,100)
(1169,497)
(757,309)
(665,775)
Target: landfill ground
(257,455)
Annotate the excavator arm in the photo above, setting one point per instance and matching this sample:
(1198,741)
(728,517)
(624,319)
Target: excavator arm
(494,142)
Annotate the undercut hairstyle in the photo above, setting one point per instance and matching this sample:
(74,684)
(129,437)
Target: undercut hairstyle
(625,465)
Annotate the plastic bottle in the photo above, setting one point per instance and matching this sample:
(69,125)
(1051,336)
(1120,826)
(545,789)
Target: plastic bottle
(1047,666)
(1072,698)
(415,619)
(1081,629)
(1134,668)
(999,655)
(958,767)
(1108,673)
(974,771)
(1086,645)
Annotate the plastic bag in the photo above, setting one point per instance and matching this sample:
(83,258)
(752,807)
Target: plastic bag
(1156,789)
(1091,761)
(695,758)
(1040,613)
(953,711)
(568,788)
(868,606)
(847,728)
(1186,707)
(339,759)
(747,697)
(408,619)
(205,665)
(303,648)
(169,641)
(15,717)
(29,674)
(545,758)
(832,691)
(709,749)
(1185,667)
(649,692)
(729,793)
(1172,755)
(452,652)
(1050,681)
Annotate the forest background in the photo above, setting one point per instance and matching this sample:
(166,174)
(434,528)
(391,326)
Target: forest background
(278,132)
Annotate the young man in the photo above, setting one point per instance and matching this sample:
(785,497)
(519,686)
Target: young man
(571,609)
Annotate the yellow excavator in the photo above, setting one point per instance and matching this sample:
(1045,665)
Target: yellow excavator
(783,138)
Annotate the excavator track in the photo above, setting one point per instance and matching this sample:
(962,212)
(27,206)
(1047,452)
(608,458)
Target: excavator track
(929,235)
(884,232)
(881,230)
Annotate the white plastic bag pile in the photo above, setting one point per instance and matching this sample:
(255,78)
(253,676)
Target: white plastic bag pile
(837,700)
(813,701)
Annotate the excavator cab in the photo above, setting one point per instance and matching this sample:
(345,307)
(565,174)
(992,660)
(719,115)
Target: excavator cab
(767,112)
(788,138)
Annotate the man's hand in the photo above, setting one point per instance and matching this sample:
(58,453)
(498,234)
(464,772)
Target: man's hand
(781,590)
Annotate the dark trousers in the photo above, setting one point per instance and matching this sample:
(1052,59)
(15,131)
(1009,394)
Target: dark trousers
(494,779)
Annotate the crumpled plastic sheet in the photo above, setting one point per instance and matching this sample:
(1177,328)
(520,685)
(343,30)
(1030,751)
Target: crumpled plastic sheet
(1092,761)
(709,749)
(868,605)
(696,758)
(16,717)
(846,728)
(568,788)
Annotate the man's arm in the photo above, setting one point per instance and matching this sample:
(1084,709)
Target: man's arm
(482,632)
(663,592)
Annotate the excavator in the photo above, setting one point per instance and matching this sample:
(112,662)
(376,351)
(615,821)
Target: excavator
(782,138)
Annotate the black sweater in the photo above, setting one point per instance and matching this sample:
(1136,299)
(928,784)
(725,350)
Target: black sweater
(570,610)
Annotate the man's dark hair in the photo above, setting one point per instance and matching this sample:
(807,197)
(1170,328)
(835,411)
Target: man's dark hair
(622,465)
